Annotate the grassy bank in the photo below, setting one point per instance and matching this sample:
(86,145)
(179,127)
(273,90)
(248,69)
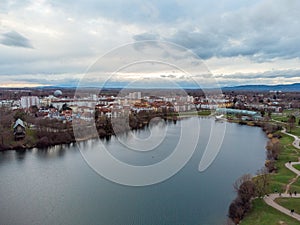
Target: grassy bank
(204,113)
(289,203)
(195,113)
(296,131)
(297,166)
(262,214)
(284,175)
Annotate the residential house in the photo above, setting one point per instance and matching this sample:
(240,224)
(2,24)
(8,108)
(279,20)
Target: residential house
(19,129)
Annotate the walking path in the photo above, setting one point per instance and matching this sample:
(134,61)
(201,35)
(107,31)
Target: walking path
(296,142)
(271,197)
(270,201)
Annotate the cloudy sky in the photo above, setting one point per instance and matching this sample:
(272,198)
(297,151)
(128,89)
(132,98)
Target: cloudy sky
(55,42)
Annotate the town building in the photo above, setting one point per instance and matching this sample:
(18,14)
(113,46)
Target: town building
(19,129)
(27,101)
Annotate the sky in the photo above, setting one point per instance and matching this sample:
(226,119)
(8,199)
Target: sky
(55,42)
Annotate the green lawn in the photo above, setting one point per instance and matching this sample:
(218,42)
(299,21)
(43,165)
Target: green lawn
(279,118)
(290,203)
(297,166)
(284,175)
(289,153)
(290,111)
(296,131)
(296,186)
(204,113)
(284,118)
(286,140)
(262,214)
(195,113)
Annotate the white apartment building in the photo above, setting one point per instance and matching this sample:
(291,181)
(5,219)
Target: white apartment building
(135,95)
(27,101)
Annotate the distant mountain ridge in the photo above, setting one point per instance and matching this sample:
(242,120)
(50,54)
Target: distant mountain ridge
(281,87)
(259,87)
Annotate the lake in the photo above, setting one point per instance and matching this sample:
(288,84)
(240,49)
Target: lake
(58,186)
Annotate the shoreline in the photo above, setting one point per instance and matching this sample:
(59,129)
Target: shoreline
(95,136)
(24,147)
(101,134)
(270,196)
(20,147)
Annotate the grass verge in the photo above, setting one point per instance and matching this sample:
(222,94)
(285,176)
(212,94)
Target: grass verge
(263,214)
(297,166)
(289,203)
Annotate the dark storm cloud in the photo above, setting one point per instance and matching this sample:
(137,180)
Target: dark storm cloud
(15,39)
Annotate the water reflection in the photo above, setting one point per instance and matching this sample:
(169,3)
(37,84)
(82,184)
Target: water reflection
(57,178)
(6,156)
(20,155)
(57,151)
(105,138)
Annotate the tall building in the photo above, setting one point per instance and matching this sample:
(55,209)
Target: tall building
(135,95)
(27,101)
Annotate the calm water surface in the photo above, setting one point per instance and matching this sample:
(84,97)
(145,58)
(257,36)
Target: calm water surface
(56,185)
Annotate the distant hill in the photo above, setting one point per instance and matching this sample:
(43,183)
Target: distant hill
(257,88)
(281,87)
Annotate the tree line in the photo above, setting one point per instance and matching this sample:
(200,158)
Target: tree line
(248,188)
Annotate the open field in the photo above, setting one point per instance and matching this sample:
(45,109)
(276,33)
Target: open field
(289,203)
(263,214)
(283,117)
(297,166)
(295,131)
(284,175)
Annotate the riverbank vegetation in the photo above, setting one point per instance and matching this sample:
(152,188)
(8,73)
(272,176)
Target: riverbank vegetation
(263,214)
(45,132)
(280,176)
(248,188)
(297,166)
(289,203)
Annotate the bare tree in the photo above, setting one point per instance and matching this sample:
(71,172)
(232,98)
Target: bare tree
(247,191)
(274,148)
(236,211)
(291,122)
(261,182)
(241,180)
(242,204)
(270,165)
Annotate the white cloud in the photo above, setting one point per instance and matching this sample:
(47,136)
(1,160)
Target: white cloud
(65,37)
